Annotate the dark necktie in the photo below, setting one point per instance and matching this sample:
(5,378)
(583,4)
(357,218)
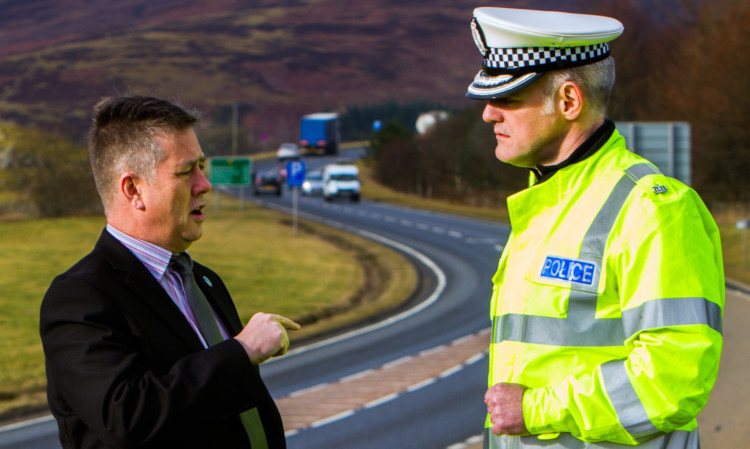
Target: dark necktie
(206,321)
(204,315)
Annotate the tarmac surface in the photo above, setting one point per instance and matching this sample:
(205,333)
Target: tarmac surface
(318,405)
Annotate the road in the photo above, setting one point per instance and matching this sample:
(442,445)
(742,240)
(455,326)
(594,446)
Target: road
(456,258)
(400,399)
(416,379)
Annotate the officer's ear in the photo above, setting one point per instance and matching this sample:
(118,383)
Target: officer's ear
(571,100)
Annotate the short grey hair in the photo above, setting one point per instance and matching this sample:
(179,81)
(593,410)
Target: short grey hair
(595,80)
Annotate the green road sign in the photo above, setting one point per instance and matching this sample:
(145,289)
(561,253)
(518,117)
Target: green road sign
(230,171)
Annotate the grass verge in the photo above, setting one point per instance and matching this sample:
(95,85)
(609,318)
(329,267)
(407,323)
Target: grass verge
(265,267)
(735,244)
(373,191)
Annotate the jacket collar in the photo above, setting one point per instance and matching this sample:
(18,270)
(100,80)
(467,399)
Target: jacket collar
(587,148)
(146,288)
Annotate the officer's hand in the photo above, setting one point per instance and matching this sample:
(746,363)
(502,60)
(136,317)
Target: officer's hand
(265,336)
(504,404)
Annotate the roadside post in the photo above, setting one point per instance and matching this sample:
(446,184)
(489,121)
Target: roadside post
(234,171)
(295,176)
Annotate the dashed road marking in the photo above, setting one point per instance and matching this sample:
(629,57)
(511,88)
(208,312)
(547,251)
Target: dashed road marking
(323,404)
(419,226)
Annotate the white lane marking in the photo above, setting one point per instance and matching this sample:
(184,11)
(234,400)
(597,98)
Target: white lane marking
(358,375)
(380,401)
(422,384)
(334,418)
(397,362)
(432,351)
(481,241)
(392,396)
(430,300)
(462,340)
(309,389)
(449,371)
(28,423)
(476,439)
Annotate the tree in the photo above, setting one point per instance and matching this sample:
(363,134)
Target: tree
(395,156)
(709,86)
(50,172)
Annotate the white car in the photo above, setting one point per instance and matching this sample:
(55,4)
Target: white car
(313,184)
(287,151)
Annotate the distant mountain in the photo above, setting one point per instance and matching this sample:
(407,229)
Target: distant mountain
(277,59)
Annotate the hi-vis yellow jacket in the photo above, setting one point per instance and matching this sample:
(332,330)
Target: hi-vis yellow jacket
(607,304)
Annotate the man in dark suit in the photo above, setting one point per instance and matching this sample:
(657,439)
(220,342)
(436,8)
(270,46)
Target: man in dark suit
(132,359)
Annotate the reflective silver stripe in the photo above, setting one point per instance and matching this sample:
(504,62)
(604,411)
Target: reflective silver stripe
(638,171)
(679,439)
(653,314)
(630,412)
(598,233)
(559,331)
(672,312)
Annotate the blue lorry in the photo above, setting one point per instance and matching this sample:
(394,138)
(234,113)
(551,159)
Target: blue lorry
(320,133)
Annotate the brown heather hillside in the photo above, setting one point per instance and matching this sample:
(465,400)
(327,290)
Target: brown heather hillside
(277,58)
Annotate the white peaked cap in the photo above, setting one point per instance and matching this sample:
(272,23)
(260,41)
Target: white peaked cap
(519,45)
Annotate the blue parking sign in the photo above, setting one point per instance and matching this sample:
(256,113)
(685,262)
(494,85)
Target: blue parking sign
(295,173)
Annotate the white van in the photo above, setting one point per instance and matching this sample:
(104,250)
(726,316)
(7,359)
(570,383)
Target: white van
(341,181)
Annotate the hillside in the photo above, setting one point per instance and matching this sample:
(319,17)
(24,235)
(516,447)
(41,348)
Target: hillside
(277,58)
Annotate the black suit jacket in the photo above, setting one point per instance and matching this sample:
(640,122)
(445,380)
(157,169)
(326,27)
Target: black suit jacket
(124,368)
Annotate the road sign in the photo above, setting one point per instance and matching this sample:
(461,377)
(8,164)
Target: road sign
(230,171)
(667,145)
(295,173)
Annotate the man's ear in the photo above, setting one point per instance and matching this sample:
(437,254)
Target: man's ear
(130,187)
(572,100)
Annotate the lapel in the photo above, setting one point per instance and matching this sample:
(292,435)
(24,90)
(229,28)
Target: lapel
(147,290)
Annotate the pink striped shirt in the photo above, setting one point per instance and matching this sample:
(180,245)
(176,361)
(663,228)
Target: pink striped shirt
(156,260)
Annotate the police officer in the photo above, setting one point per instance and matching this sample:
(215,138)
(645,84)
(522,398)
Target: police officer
(608,297)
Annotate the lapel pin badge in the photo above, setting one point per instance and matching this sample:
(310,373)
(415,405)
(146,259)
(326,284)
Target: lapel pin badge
(205,278)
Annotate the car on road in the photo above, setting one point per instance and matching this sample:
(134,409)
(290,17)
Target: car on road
(341,181)
(268,182)
(313,184)
(287,152)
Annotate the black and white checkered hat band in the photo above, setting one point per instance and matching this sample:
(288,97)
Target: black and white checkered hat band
(542,58)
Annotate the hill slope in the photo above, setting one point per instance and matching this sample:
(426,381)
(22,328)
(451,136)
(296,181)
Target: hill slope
(277,58)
